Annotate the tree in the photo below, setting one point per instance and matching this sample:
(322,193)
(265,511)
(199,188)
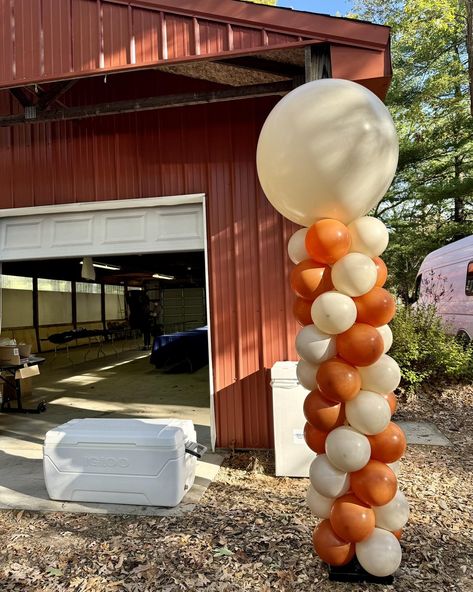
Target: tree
(429,203)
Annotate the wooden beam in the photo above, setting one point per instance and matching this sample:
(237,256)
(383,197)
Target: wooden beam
(317,62)
(22,97)
(47,98)
(152,103)
(264,65)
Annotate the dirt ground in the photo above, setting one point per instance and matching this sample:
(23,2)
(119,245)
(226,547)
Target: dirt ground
(252,531)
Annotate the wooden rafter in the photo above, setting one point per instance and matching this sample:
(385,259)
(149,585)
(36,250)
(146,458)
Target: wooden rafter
(152,103)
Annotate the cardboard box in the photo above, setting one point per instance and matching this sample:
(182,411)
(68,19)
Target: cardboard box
(9,354)
(27,372)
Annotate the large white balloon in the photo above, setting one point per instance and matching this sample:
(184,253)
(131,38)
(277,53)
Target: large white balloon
(326,479)
(314,346)
(347,449)
(369,236)
(306,374)
(319,505)
(380,554)
(296,246)
(394,514)
(383,376)
(354,275)
(328,149)
(333,312)
(368,412)
(387,335)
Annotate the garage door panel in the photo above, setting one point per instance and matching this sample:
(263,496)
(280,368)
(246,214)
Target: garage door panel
(103,232)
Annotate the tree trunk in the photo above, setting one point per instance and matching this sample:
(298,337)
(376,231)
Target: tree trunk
(469,46)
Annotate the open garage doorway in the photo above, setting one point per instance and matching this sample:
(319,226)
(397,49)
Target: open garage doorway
(100,358)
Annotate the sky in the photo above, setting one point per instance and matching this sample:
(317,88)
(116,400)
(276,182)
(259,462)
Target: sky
(323,6)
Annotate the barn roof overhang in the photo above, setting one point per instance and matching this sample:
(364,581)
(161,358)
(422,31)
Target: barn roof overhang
(253,50)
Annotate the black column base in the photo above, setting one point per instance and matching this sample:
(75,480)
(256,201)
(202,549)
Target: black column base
(353,572)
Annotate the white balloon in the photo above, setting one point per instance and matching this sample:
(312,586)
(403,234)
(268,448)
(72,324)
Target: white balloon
(326,479)
(387,335)
(354,275)
(347,449)
(369,236)
(296,246)
(314,346)
(383,376)
(393,515)
(368,412)
(306,373)
(380,554)
(328,149)
(333,312)
(395,467)
(319,505)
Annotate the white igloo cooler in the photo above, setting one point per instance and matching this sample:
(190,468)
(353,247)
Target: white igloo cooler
(121,461)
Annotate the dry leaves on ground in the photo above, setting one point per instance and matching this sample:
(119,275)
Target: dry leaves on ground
(252,530)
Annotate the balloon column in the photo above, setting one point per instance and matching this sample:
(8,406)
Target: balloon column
(326,155)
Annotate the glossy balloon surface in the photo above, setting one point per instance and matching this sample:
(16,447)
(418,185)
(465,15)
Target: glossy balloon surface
(330,547)
(338,380)
(380,554)
(328,149)
(351,519)
(375,484)
(361,345)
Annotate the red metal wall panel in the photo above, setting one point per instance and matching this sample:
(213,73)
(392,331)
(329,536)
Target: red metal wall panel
(6,41)
(208,149)
(27,43)
(85,42)
(116,35)
(56,20)
(147,35)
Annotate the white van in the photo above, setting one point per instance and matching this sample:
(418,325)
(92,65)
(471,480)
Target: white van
(445,279)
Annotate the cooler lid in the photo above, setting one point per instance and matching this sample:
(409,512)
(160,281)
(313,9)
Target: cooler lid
(156,433)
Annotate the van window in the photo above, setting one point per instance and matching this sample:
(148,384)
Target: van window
(417,290)
(469,279)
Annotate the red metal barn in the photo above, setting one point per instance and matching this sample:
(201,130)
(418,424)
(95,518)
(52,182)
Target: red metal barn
(121,99)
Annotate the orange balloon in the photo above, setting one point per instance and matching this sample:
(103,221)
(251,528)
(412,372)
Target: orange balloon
(314,438)
(323,414)
(328,240)
(389,445)
(375,484)
(392,401)
(338,380)
(376,308)
(351,519)
(382,271)
(310,278)
(361,345)
(398,534)
(301,309)
(331,548)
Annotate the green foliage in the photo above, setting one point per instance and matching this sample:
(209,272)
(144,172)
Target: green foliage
(425,352)
(430,201)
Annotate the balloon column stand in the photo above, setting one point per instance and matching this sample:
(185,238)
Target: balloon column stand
(326,156)
(353,572)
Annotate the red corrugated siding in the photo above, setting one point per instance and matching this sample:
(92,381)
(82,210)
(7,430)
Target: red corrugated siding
(54,39)
(207,149)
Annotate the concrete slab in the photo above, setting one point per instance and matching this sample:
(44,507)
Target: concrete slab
(422,432)
(123,385)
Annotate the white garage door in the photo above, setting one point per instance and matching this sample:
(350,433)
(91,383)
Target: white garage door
(153,225)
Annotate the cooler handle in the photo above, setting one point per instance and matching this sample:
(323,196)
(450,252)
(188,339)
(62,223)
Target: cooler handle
(196,449)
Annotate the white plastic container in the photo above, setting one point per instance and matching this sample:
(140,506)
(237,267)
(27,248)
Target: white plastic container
(120,461)
(292,455)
